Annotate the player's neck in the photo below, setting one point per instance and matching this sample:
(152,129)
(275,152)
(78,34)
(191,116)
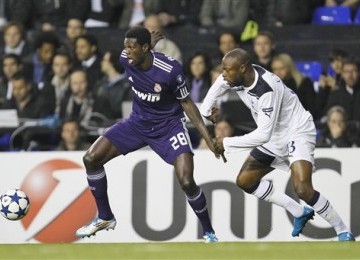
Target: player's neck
(249,77)
(148,61)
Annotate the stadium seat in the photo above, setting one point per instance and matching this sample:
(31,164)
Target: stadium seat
(328,15)
(357,17)
(312,69)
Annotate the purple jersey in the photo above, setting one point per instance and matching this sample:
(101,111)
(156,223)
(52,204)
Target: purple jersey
(156,92)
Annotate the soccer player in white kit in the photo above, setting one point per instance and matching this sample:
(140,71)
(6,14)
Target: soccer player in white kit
(284,139)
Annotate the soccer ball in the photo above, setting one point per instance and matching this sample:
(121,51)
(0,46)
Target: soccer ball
(14,204)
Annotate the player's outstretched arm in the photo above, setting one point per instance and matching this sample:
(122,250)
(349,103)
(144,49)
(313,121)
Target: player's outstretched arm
(194,115)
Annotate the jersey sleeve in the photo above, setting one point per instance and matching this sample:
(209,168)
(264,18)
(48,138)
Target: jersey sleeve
(177,81)
(123,58)
(268,112)
(218,88)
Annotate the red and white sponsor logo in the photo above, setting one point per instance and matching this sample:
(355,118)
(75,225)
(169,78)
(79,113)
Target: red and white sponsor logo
(59,205)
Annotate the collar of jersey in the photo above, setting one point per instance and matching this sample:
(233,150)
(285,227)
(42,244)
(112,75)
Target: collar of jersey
(255,80)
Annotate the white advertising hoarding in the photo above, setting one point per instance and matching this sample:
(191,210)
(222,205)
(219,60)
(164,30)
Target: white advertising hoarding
(149,205)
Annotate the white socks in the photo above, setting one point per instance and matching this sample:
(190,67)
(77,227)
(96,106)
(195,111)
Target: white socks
(323,207)
(265,191)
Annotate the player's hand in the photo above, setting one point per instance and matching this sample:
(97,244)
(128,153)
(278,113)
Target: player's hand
(218,145)
(155,37)
(211,146)
(214,113)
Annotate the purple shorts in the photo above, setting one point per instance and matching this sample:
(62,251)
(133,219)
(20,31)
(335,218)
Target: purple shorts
(168,138)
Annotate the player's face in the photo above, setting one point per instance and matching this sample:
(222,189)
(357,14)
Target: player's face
(134,51)
(232,73)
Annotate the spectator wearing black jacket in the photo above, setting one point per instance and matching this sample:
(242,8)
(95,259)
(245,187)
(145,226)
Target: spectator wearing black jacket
(347,93)
(15,41)
(113,88)
(88,58)
(28,103)
(10,65)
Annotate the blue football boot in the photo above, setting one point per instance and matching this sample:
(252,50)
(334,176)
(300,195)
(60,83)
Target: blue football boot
(300,222)
(346,236)
(210,237)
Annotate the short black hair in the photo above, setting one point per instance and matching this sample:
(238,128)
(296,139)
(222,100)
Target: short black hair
(336,54)
(267,34)
(46,37)
(232,34)
(350,60)
(13,56)
(21,76)
(70,120)
(141,34)
(62,53)
(90,38)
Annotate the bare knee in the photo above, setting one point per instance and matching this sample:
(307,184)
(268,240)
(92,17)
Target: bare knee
(242,182)
(189,186)
(304,191)
(91,161)
(301,174)
(251,173)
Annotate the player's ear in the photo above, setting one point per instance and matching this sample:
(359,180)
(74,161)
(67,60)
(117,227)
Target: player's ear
(146,47)
(242,68)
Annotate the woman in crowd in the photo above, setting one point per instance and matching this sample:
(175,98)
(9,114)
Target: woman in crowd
(283,66)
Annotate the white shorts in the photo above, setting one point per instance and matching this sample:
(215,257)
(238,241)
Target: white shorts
(299,145)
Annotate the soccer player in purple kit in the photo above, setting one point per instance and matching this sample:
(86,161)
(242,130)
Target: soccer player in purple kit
(160,97)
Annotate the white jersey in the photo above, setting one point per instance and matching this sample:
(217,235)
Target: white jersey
(275,108)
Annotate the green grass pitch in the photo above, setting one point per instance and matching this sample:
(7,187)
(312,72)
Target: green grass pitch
(222,250)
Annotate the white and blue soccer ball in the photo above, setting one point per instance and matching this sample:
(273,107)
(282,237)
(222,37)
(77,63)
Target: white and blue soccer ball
(14,204)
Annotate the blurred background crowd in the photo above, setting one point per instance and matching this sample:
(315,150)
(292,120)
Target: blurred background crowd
(62,83)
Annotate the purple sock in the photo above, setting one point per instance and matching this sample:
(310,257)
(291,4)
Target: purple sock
(198,204)
(98,185)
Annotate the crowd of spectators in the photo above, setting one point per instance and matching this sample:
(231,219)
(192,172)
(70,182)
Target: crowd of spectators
(67,85)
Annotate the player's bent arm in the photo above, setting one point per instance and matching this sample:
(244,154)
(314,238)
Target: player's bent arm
(268,112)
(217,89)
(245,142)
(194,115)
